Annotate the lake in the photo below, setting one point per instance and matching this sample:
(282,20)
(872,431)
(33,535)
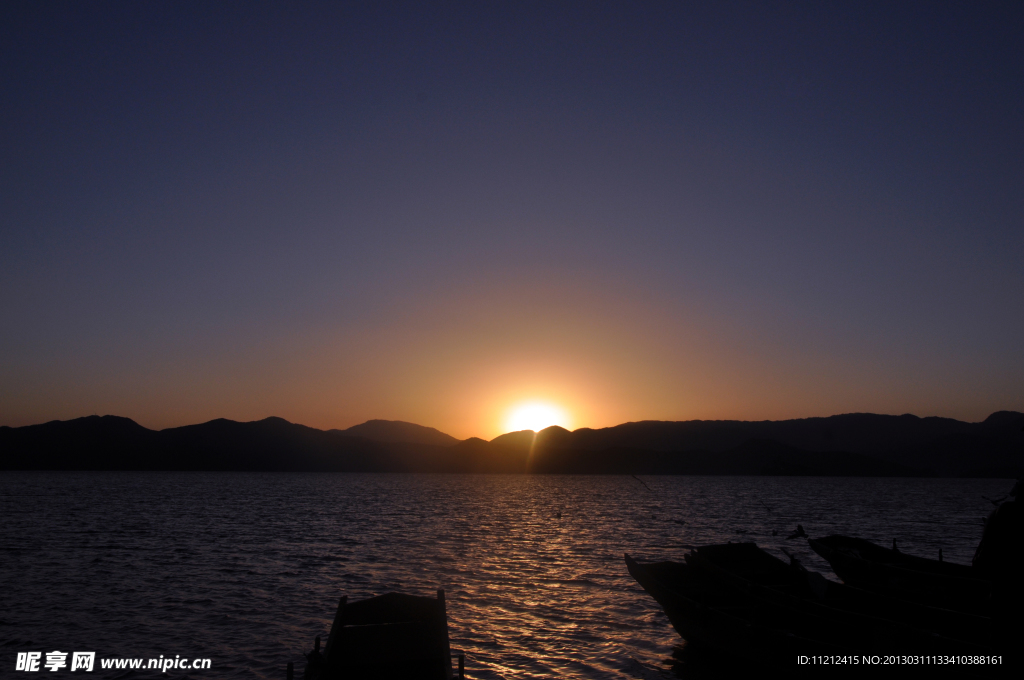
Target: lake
(246,568)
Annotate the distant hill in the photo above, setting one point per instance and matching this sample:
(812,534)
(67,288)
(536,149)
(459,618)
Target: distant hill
(936,446)
(754,457)
(853,444)
(397,431)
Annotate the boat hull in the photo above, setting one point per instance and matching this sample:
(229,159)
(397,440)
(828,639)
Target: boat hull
(863,564)
(752,606)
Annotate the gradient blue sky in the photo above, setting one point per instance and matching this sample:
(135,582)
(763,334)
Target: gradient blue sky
(429,212)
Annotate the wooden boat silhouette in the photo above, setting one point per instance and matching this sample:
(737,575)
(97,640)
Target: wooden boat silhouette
(740,600)
(719,619)
(861,563)
(388,637)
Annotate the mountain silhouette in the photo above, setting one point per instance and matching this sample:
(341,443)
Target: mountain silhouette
(852,444)
(397,431)
(935,446)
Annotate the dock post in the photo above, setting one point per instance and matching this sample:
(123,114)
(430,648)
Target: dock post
(462,666)
(291,671)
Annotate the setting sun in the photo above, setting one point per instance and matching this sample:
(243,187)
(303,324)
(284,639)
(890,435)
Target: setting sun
(535,415)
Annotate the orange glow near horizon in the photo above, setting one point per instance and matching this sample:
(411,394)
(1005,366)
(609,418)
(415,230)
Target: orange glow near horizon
(536,415)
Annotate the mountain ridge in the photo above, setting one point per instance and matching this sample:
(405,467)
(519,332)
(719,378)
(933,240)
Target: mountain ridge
(865,444)
(400,431)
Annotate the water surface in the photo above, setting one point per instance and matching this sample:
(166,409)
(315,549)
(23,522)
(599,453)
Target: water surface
(246,568)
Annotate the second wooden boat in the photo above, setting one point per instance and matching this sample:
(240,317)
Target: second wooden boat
(866,565)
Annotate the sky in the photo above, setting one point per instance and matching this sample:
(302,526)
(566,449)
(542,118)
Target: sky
(436,212)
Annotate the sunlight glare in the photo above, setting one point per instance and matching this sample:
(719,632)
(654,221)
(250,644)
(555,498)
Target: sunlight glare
(535,416)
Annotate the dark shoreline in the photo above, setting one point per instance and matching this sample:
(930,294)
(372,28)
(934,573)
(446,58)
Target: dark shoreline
(854,445)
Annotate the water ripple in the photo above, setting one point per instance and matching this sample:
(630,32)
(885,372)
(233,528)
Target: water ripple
(246,568)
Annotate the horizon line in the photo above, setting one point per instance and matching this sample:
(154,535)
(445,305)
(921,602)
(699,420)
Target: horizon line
(428,427)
